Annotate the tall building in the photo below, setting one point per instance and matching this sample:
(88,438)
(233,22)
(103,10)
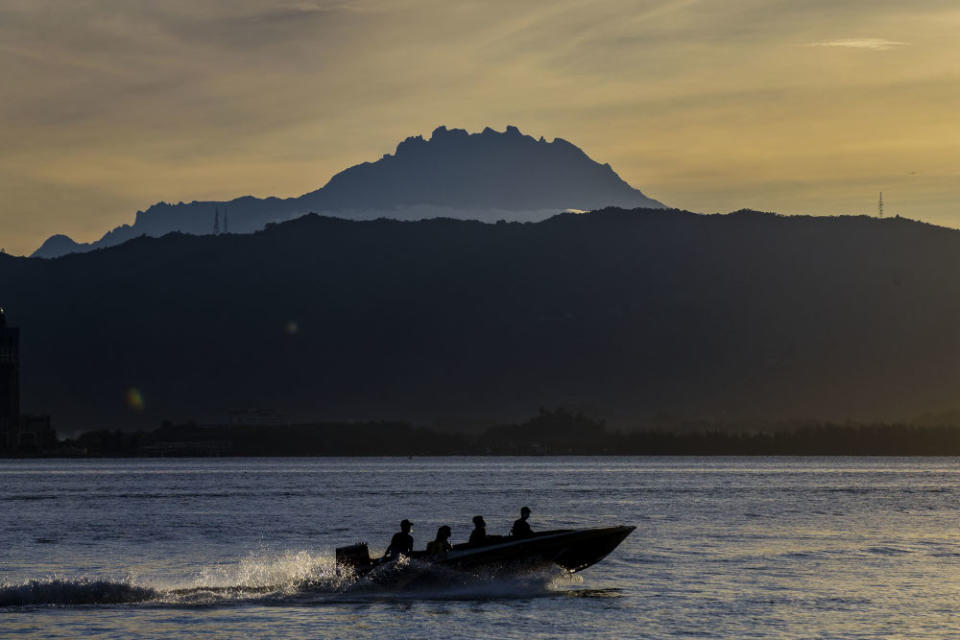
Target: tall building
(9,382)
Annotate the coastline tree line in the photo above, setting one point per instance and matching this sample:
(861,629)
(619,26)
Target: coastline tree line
(551,432)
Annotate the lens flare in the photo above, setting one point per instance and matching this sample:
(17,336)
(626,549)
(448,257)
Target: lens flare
(134,399)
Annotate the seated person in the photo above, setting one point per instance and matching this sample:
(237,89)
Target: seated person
(479,534)
(402,542)
(441,545)
(521,528)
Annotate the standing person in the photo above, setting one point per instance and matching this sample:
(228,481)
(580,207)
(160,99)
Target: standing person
(441,545)
(479,534)
(402,542)
(521,528)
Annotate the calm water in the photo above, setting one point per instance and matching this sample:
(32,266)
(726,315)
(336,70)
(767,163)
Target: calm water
(724,548)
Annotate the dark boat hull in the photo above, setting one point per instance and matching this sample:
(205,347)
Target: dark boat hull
(573,550)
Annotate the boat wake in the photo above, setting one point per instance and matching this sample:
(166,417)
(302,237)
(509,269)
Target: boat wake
(289,579)
(55,591)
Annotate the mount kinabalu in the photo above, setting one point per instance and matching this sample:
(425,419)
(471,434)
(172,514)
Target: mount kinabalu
(484,176)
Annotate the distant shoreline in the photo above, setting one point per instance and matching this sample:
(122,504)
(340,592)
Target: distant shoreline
(551,433)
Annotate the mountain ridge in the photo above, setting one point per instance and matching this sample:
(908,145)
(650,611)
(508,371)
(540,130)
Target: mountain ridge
(486,176)
(622,313)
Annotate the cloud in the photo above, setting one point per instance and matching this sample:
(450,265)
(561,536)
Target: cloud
(870,44)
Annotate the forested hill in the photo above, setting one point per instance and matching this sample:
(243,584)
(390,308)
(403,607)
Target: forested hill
(624,314)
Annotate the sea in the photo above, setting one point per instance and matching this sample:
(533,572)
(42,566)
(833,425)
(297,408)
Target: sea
(244,548)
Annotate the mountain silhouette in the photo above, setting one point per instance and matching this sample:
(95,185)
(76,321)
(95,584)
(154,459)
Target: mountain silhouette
(484,176)
(625,314)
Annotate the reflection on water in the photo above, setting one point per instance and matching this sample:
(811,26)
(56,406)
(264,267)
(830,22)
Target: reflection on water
(786,548)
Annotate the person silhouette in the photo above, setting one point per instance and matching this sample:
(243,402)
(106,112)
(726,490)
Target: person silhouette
(521,528)
(479,534)
(441,544)
(402,542)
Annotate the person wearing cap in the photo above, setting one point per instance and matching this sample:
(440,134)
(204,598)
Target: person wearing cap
(521,528)
(402,542)
(479,534)
(441,545)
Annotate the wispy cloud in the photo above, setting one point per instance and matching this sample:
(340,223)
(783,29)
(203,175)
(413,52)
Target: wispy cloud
(120,103)
(871,44)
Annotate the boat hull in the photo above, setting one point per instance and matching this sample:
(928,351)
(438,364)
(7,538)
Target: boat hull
(571,549)
(574,550)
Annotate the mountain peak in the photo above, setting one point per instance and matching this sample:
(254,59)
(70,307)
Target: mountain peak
(442,132)
(57,245)
(486,176)
(490,170)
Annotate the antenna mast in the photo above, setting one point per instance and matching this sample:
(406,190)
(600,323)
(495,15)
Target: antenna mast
(880,205)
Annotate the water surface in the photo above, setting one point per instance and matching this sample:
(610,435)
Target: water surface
(724,548)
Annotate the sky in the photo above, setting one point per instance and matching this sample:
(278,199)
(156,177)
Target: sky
(799,107)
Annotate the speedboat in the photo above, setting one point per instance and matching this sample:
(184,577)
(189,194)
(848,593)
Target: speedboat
(571,549)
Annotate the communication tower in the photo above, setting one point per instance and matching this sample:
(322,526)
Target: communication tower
(880,205)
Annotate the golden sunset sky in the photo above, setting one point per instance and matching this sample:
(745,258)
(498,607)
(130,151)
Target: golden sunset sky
(800,106)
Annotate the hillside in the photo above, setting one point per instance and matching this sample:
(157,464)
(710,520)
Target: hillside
(624,314)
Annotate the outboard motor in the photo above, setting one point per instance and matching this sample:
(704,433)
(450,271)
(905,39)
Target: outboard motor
(356,558)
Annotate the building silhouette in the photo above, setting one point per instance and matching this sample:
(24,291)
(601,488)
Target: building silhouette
(19,434)
(9,383)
